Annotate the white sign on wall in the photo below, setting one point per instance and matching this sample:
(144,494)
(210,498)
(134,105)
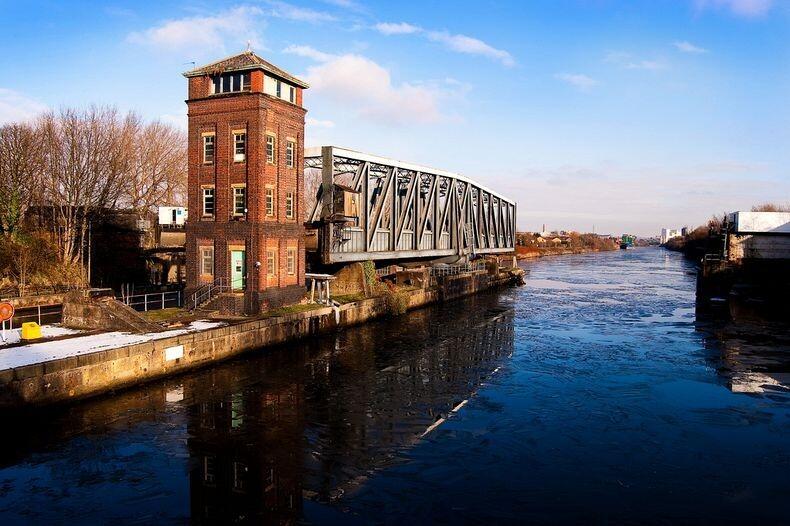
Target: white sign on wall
(173,353)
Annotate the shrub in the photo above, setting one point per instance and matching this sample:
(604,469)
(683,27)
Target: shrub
(397,301)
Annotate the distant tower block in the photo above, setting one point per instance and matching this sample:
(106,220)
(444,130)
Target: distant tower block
(245,229)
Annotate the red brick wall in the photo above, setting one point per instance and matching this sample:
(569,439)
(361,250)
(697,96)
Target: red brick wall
(259,114)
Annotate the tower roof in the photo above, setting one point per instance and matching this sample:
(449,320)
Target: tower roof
(244,61)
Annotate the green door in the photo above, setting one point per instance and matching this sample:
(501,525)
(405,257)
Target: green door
(238,270)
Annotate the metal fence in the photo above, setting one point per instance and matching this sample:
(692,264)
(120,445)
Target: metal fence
(153,301)
(451,270)
(41,314)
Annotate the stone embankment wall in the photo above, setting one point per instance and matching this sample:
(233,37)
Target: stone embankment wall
(102,371)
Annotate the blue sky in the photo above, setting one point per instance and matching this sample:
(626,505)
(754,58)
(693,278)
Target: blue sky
(618,115)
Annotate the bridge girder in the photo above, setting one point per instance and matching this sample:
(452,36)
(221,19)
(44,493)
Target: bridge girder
(405,211)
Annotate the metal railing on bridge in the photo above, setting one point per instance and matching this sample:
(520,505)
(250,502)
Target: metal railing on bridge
(370,207)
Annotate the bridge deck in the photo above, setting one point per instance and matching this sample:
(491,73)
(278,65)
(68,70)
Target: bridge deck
(370,207)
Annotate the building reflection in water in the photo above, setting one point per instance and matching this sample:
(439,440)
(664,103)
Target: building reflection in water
(318,426)
(751,353)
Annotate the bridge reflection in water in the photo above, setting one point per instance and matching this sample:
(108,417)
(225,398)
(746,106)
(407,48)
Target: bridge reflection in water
(318,428)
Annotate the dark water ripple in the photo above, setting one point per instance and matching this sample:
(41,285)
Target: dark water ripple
(597,393)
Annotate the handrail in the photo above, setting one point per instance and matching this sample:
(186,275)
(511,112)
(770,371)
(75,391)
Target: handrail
(204,294)
(152,300)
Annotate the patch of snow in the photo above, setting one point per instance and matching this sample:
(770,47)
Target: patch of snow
(54,350)
(47,331)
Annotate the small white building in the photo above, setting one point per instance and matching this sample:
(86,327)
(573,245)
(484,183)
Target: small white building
(669,233)
(173,216)
(759,235)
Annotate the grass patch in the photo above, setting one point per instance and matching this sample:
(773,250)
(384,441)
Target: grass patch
(349,298)
(291,309)
(163,315)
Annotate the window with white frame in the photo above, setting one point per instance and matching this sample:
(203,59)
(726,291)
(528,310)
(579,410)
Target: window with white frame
(207,261)
(229,82)
(270,201)
(271,262)
(208,200)
(208,148)
(271,147)
(239,200)
(239,146)
(290,147)
(289,205)
(292,94)
(290,261)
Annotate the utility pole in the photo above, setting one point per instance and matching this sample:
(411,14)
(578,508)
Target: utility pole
(90,225)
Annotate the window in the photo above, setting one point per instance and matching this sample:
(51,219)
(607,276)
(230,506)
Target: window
(208,201)
(279,89)
(209,470)
(239,476)
(230,82)
(207,261)
(270,201)
(289,154)
(290,261)
(292,94)
(239,200)
(271,262)
(289,205)
(239,146)
(271,145)
(208,148)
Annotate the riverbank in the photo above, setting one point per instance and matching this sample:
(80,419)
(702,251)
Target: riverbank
(539,252)
(50,376)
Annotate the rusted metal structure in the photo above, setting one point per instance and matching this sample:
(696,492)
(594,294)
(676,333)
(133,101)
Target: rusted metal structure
(373,208)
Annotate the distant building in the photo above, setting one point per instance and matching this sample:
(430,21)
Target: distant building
(172,216)
(669,233)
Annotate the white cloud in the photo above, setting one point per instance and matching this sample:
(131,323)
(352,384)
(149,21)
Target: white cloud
(300,14)
(399,28)
(346,4)
(203,32)
(361,84)
(688,47)
(627,61)
(745,8)
(15,107)
(317,123)
(454,42)
(309,52)
(583,82)
(472,46)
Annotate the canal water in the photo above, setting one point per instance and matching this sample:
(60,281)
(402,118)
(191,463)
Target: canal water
(597,393)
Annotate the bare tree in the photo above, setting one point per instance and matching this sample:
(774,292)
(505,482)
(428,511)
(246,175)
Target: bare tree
(158,167)
(20,173)
(87,158)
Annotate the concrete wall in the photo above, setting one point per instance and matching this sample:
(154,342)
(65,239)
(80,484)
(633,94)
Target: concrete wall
(759,246)
(102,371)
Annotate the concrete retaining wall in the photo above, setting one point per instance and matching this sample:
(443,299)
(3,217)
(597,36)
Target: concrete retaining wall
(102,371)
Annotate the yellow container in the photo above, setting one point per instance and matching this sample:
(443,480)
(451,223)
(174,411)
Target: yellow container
(31,331)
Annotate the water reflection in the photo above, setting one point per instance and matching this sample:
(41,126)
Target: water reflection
(259,435)
(319,429)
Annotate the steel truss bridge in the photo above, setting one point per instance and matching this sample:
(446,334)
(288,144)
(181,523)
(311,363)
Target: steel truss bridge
(370,207)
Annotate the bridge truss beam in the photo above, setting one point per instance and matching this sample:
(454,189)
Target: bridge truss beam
(402,210)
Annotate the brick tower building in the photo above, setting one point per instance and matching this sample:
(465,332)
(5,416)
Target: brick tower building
(246,141)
